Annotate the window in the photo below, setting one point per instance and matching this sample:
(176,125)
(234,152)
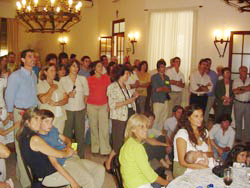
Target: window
(170,35)
(106,47)
(114,45)
(3,37)
(118,32)
(239,51)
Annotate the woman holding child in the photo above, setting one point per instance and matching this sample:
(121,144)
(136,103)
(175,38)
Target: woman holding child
(42,154)
(192,137)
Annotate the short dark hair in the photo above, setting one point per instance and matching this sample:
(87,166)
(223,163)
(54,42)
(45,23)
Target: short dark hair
(50,56)
(203,60)
(160,62)
(225,117)
(46,114)
(225,69)
(143,63)
(109,67)
(177,107)
(63,55)
(11,53)
(120,71)
(176,58)
(72,56)
(232,156)
(149,113)
(71,63)
(208,59)
(102,57)
(85,57)
(24,52)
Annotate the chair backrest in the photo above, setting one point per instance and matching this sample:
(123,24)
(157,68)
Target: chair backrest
(115,165)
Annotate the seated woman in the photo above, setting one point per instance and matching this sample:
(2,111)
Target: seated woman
(238,154)
(192,137)
(38,155)
(135,168)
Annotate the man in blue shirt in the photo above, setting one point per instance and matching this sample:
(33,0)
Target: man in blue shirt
(20,96)
(160,89)
(21,87)
(211,97)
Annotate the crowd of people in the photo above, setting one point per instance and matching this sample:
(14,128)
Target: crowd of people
(49,103)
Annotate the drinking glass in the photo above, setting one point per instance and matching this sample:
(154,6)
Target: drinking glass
(228,176)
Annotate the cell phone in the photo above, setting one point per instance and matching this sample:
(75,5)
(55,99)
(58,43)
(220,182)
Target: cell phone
(74,87)
(74,146)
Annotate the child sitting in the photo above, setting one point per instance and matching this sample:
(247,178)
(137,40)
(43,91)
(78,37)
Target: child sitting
(78,172)
(198,157)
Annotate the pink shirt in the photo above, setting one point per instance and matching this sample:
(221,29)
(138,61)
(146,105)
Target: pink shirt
(98,89)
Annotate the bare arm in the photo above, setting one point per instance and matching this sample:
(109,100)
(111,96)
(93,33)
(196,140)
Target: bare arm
(154,142)
(161,181)
(181,151)
(128,101)
(63,172)
(38,144)
(44,97)
(66,140)
(4,151)
(7,131)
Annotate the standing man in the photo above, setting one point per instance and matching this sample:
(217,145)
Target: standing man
(200,85)
(21,96)
(12,66)
(177,84)
(84,66)
(211,97)
(241,90)
(160,89)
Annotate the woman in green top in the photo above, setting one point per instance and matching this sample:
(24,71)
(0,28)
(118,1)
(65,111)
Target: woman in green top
(135,168)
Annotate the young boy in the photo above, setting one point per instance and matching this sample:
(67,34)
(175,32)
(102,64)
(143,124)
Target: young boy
(78,172)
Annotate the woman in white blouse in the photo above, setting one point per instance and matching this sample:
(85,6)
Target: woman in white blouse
(122,106)
(52,96)
(76,87)
(192,137)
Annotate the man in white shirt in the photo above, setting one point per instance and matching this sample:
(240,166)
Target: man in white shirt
(200,85)
(241,90)
(177,84)
(222,137)
(171,124)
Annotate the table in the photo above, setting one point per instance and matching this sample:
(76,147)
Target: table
(204,177)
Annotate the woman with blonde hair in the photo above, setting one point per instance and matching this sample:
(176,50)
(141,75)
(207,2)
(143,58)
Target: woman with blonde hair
(135,168)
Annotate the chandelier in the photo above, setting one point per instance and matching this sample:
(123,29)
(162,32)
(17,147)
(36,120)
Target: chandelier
(49,16)
(241,5)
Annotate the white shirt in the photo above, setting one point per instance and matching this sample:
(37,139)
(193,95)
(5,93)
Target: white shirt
(170,125)
(177,76)
(244,97)
(3,84)
(196,80)
(226,140)
(182,133)
(131,80)
(82,89)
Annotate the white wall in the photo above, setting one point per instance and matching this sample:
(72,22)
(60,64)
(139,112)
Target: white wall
(97,21)
(214,14)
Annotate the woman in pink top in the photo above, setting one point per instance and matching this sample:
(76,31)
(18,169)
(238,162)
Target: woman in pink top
(97,110)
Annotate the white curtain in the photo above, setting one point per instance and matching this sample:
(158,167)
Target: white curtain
(170,35)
